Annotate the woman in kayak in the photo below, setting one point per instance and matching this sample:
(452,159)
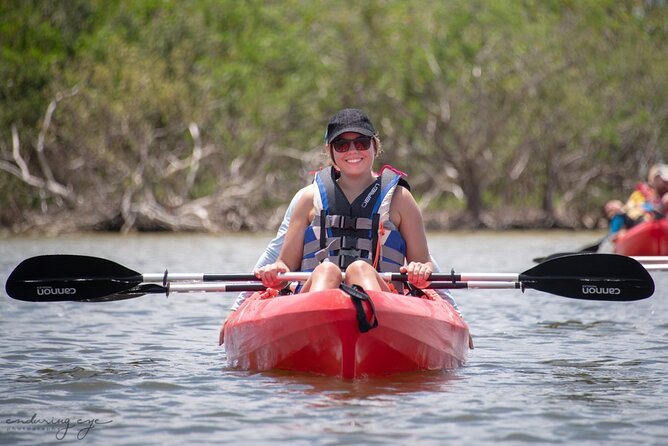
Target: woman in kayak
(352,219)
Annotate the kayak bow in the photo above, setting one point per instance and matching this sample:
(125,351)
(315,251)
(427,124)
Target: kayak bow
(318,333)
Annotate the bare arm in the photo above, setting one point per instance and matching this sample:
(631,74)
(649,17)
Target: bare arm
(293,247)
(407,217)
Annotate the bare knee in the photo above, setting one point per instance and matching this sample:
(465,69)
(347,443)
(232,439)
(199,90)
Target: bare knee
(359,268)
(363,274)
(327,269)
(325,276)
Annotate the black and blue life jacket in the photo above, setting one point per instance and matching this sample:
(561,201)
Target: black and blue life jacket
(343,232)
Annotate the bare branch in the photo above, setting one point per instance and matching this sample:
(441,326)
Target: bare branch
(20,162)
(22,171)
(194,158)
(46,169)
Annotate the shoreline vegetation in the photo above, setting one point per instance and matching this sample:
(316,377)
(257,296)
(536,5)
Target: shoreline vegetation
(596,233)
(434,221)
(206,116)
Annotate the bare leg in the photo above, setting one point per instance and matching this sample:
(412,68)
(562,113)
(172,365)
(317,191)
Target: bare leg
(325,276)
(362,274)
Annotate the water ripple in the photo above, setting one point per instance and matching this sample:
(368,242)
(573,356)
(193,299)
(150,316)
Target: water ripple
(545,369)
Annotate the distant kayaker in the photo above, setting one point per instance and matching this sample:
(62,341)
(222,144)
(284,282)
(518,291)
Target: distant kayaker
(658,179)
(352,219)
(618,219)
(646,202)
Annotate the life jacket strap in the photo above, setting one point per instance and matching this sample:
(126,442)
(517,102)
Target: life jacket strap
(323,228)
(346,222)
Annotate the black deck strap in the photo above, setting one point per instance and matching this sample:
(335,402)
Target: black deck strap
(357,294)
(413,290)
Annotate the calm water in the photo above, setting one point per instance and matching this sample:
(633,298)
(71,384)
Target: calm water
(148,371)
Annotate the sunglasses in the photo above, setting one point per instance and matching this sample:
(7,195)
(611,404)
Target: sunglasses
(342,145)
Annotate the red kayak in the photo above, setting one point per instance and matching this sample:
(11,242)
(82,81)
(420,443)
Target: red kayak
(646,239)
(320,332)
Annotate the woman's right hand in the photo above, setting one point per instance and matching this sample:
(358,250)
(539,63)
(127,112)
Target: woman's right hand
(269,275)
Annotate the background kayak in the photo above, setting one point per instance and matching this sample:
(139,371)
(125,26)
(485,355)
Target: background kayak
(646,239)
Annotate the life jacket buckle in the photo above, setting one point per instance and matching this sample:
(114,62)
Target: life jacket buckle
(349,223)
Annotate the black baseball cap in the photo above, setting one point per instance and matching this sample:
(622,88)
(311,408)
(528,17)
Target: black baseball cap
(349,120)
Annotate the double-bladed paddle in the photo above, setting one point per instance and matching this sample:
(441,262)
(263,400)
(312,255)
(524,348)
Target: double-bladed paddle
(52,278)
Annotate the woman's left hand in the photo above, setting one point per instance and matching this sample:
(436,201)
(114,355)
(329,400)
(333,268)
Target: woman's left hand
(418,273)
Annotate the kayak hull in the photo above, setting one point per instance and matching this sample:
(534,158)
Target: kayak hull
(646,239)
(318,333)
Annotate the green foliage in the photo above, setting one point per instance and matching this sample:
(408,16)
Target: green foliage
(539,103)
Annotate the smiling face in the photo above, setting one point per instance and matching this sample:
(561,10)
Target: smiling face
(355,159)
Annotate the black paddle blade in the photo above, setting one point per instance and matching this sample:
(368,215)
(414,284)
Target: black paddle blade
(609,277)
(53,278)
